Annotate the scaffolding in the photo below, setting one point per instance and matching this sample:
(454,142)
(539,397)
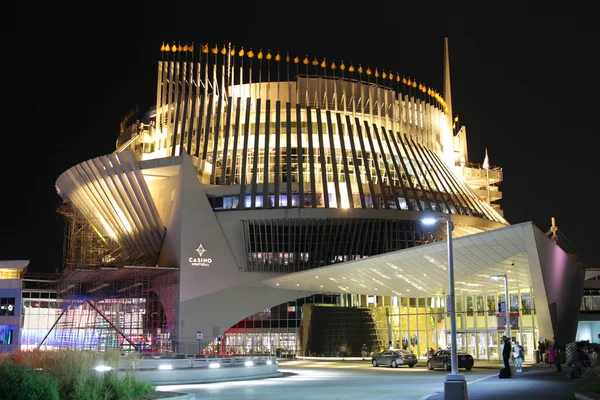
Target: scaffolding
(106,300)
(88,242)
(115,308)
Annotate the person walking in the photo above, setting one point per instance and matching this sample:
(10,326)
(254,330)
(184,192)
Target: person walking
(363,351)
(518,354)
(557,353)
(506,351)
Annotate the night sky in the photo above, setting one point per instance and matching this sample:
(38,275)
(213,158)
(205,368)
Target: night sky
(524,84)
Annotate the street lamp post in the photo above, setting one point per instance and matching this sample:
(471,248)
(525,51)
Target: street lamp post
(507,302)
(455,385)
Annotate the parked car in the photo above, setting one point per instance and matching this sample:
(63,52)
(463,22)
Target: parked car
(394,358)
(442,359)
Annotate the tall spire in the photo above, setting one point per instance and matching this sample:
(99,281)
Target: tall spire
(447,90)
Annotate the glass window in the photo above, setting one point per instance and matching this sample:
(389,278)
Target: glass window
(491,303)
(480,304)
(7,306)
(469,305)
(6,334)
(459,300)
(526,303)
(514,302)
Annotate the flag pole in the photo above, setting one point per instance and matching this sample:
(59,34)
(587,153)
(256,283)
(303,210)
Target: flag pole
(306,62)
(487,183)
(324,66)
(335,81)
(260,58)
(486,166)
(268,57)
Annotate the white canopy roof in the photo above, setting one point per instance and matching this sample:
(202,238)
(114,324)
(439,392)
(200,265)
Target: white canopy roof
(422,271)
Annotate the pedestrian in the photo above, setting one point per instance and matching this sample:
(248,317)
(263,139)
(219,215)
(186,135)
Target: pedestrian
(593,355)
(542,350)
(506,350)
(557,354)
(518,354)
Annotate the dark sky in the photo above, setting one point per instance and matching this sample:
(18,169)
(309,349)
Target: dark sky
(524,82)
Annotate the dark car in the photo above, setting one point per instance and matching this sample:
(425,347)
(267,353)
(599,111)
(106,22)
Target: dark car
(442,359)
(394,358)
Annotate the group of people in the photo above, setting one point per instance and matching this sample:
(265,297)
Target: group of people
(583,359)
(551,353)
(515,353)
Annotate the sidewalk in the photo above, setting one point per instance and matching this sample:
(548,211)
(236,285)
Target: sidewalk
(537,381)
(494,364)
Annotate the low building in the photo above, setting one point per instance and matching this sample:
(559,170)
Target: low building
(11,284)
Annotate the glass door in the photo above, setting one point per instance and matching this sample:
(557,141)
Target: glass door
(528,343)
(461,341)
(483,346)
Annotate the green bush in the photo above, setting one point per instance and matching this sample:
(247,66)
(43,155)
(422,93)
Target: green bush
(129,389)
(74,377)
(18,382)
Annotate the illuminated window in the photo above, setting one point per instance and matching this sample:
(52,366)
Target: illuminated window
(6,334)
(7,306)
(9,274)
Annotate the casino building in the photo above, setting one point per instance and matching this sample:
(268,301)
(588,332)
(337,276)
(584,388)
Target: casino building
(273,203)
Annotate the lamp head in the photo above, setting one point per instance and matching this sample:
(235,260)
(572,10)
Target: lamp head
(436,218)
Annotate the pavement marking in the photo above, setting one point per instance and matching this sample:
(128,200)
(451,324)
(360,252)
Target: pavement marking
(481,379)
(468,383)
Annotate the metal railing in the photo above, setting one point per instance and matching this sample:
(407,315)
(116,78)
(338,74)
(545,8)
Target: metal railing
(168,362)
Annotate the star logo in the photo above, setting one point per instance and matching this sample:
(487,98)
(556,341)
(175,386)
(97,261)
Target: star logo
(200,250)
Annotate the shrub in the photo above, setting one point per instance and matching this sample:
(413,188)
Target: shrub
(18,382)
(129,388)
(73,374)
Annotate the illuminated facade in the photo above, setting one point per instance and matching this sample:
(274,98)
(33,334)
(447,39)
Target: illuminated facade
(11,283)
(257,166)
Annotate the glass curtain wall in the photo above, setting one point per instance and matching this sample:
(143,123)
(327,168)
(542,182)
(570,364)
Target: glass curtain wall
(422,324)
(416,324)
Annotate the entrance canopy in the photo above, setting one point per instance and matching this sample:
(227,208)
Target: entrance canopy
(423,271)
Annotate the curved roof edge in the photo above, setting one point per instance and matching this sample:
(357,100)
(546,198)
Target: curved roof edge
(14,264)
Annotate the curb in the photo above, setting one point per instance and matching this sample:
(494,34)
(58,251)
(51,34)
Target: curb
(587,396)
(186,396)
